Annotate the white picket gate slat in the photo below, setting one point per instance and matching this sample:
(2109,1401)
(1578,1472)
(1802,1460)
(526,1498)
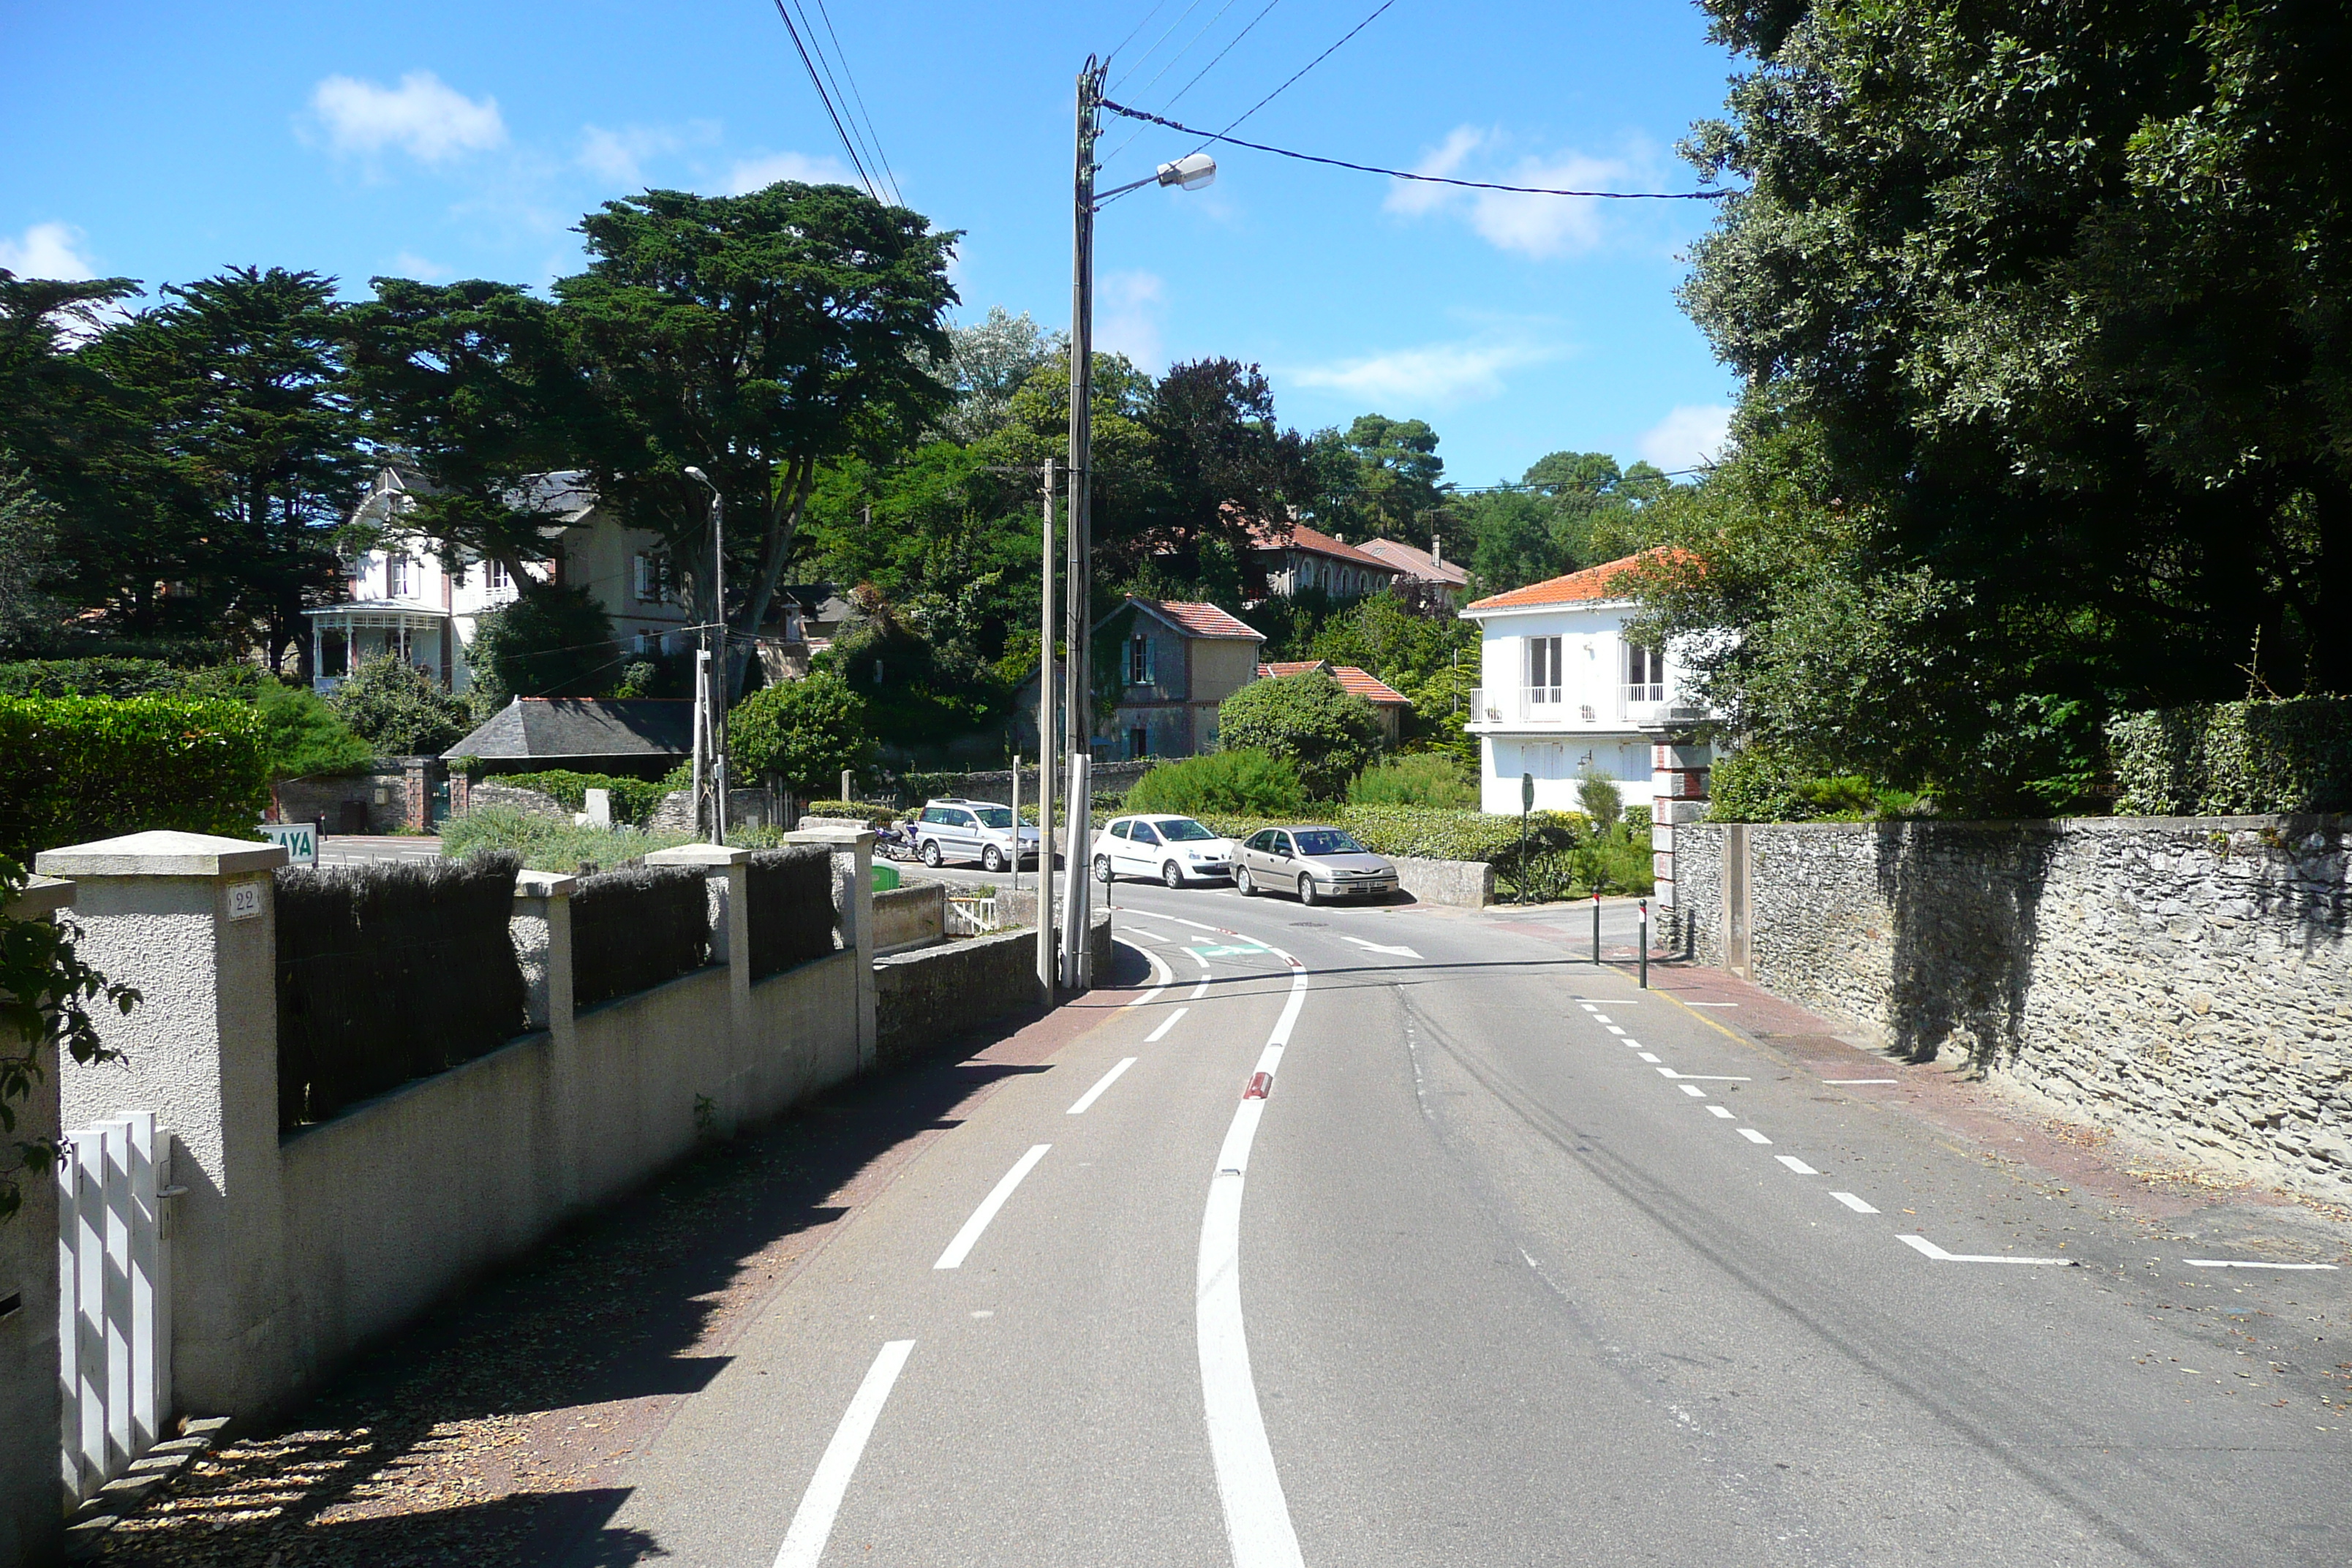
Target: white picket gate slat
(114,1340)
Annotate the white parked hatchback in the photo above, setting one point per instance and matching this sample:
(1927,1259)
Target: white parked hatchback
(1175,849)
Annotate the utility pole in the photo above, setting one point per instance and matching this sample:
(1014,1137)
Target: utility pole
(1044,756)
(710,700)
(1078,577)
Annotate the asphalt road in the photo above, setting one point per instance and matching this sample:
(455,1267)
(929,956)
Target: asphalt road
(1511,1263)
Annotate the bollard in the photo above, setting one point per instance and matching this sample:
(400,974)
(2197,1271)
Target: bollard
(1596,928)
(1645,944)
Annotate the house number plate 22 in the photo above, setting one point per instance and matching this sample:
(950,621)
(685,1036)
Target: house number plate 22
(244,901)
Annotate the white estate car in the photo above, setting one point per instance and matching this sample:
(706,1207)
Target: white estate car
(1175,849)
(978,830)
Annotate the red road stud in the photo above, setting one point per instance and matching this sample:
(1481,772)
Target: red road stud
(1261,1084)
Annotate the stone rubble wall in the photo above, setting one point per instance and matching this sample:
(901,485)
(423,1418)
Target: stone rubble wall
(2185,979)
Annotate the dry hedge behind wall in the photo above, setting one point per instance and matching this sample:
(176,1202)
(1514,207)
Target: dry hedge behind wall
(388,973)
(633,929)
(792,915)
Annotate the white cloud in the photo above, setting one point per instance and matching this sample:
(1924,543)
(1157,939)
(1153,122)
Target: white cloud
(1542,226)
(423,117)
(1435,374)
(1692,433)
(46,250)
(620,155)
(1127,307)
(757,174)
(408,264)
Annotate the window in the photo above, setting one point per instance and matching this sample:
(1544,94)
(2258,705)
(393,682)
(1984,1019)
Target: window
(1328,841)
(1184,830)
(1143,834)
(996,815)
(495,572)
(1543,670)
(1119,830)
(1646,674)
(395,576)
(1138,663)
(1139,744)
(935,815)
(1261,841)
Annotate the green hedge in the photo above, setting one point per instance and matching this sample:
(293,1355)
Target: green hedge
(2234,759)
(874,817)
(74,769)
(633,800)
(1428,833)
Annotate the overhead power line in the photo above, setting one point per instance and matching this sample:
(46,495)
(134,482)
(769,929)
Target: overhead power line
(1209,136)
(873,141)
(816,81)
(1302,70)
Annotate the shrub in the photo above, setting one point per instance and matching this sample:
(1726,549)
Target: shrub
(547,843)
(388,973)
(399,708)
(1428,778)
(805,730)
(790,913)
(2232,759)
(1329,732)
(633,929)
(633,800)
(549,642)
(1601,800)
(306,738)
(1247,783)
(1763,785)
(874,817)
(78,768)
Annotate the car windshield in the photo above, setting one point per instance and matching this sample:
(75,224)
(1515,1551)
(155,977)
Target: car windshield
(993,816)
(1183,830)
(1327,841)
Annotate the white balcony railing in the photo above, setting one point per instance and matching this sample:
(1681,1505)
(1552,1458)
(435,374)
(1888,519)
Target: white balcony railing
(1639,703)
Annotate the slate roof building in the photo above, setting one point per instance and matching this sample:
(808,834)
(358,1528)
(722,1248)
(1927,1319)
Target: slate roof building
(630,736)
(1423,575)
(1177,660)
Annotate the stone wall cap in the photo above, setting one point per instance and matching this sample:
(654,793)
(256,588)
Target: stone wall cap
(161,853)
(699,855)
(544,885)
(42,896)
(845,835)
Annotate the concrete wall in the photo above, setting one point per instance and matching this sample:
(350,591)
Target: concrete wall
(31,1496)
(910,915)
(940,993)
(1460,884)
(2189,979)
(291,1253)
(382,791)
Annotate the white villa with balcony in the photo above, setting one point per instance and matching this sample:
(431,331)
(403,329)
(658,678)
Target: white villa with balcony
(404,600)
(1566,694)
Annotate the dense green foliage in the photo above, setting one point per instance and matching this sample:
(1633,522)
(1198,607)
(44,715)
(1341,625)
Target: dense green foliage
(550,844)
(633,800)
(2234,759)
(1562,856)
(1761,784)
(804,732)
(74,769)
(306,738)
(2041,312)
(1327,733)
(399,709)
(551,642)
(1247,783)
(46,994)
(1429,779)
(871,816)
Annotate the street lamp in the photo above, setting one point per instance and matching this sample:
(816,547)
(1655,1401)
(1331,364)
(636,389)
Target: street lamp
(1189,172)
(710,716)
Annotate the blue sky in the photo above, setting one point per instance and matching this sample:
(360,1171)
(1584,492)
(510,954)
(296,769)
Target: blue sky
(441,141)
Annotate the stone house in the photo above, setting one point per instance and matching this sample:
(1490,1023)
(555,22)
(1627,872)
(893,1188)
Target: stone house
(1291,557)
(1173,662)
(1387,701)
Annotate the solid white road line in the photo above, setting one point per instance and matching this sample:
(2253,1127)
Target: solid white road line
(1796,1164)
(1753,1136)
(1147,935)
(1199,957)
(1862,1081)
(1722,1110)
(1257,1515)
(1921,1245)
(1855,1204)
(1712,1004)
(813,1520)
(1106,1079)
(1196,925)
(1167,977)
(1165,1025)
(1694,1092)
(961,1246)
(2232,1263)
(1705,1077)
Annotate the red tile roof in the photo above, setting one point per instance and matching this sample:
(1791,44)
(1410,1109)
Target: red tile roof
(1200,620)
(1298,536)
(1363,683)
(1594,582)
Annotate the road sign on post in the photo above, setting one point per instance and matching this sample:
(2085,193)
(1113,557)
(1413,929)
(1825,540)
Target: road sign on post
(1526,805)
(299,839)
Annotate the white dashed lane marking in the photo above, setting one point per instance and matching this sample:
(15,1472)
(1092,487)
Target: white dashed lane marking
(1855,1204)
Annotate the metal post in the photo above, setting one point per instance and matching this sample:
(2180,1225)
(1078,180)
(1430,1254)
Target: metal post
(1596,928)
(1078,884)
(701,758)
(1645,944)
(1045,717)
(725,672)
(1016,821)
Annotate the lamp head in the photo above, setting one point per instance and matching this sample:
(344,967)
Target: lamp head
(697,476)
(1191,171)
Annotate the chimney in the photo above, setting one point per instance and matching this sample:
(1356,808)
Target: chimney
(1437,550)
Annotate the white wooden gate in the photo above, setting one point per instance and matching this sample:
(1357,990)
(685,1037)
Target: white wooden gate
(114,1297)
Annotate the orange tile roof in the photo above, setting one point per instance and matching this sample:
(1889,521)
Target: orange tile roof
(1298,536)
(1363,683)
(1578,587)
(1201,620)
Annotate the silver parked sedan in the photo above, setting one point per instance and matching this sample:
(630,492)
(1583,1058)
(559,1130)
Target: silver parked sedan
(1317,863)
